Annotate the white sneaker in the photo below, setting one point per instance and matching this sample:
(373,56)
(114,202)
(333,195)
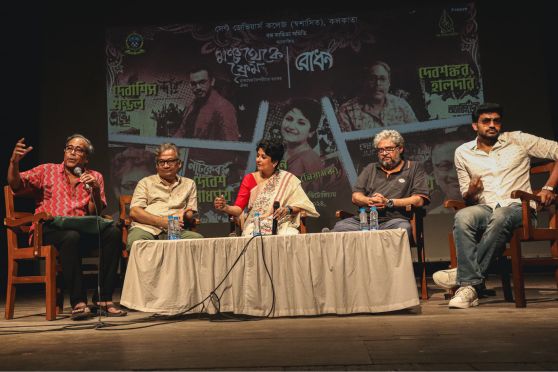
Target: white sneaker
(464,298)
(446,278)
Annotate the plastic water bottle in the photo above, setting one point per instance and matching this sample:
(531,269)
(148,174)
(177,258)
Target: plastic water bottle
(177,228)
(374,225)
(257,231)
(363,219)
(171,230)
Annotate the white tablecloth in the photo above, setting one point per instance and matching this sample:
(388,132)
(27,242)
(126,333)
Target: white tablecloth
(326,273)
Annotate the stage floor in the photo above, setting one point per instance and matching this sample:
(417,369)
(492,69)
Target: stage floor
(493,336)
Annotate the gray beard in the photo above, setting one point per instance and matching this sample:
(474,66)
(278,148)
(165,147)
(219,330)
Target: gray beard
(389,165)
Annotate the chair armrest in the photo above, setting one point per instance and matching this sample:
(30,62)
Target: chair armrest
(191,224)
(525,196)
(455,204)
(341,214)
(518,194)
(35,218)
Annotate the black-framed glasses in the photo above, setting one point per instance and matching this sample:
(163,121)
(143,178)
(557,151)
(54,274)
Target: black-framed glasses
(496,121)
(194,84)
(374,79)
(78,150)
(171,162)
(386,150)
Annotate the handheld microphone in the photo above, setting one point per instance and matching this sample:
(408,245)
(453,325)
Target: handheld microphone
(274,223)
(78,172)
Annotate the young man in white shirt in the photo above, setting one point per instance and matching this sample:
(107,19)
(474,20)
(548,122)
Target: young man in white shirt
(489,168)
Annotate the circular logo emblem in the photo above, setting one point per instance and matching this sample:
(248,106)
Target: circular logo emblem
(134,43)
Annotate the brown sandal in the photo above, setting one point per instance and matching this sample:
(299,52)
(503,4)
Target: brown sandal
(104,310)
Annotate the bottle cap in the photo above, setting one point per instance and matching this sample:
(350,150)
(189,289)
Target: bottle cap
(362,209)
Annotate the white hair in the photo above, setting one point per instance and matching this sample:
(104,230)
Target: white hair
(389,134)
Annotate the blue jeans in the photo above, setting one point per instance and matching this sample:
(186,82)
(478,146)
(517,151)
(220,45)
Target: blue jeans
(352,224)
(480,235)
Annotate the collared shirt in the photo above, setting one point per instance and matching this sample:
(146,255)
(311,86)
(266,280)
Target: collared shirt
(505,168)
(213,119)
(356,115)
(54,193)
(159,198)
(408,181)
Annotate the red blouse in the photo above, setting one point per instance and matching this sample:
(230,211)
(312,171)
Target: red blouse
(243,197)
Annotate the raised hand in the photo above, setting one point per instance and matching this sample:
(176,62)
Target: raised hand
(88,179)
(20,150)
(475,186)
(220,202)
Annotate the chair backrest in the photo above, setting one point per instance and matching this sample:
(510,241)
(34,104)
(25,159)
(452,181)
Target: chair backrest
(10,208)
(12,214)
(124,220)
(538,232)
(18,226)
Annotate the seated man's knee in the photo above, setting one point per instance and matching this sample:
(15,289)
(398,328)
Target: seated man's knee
(71,237)
(465,218)
(398,223)
(347,224)
(113,232)
(407,226)
(187,234)
(502,217)
(137,234)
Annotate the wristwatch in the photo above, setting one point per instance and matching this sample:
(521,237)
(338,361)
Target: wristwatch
(289,209)
(389,203)
(549,188)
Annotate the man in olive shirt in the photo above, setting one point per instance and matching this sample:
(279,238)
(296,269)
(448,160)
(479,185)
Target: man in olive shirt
(392,182)
(161,195)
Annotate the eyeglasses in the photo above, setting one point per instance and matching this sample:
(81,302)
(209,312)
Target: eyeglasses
(386,150)
(488,120)
(171,162)
(378,79)
(77,150)
(201,83)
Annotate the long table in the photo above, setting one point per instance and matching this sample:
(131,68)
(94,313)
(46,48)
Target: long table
(325,273)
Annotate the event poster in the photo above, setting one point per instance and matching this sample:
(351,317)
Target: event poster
(262,74)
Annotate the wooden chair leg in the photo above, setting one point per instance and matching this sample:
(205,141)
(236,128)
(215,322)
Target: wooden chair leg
(517,271)
(11,290)
(423,284)
(50,268)
(504,269)
(453,262)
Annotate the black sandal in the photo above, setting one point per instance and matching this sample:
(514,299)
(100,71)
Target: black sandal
(81,313)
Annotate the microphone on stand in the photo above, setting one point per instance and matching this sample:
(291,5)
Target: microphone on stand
(274,223)
(78,172)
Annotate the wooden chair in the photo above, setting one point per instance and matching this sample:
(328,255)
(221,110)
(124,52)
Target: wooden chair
(235,225)
(17,229)
(417,241)
(125,223)
(527,233)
